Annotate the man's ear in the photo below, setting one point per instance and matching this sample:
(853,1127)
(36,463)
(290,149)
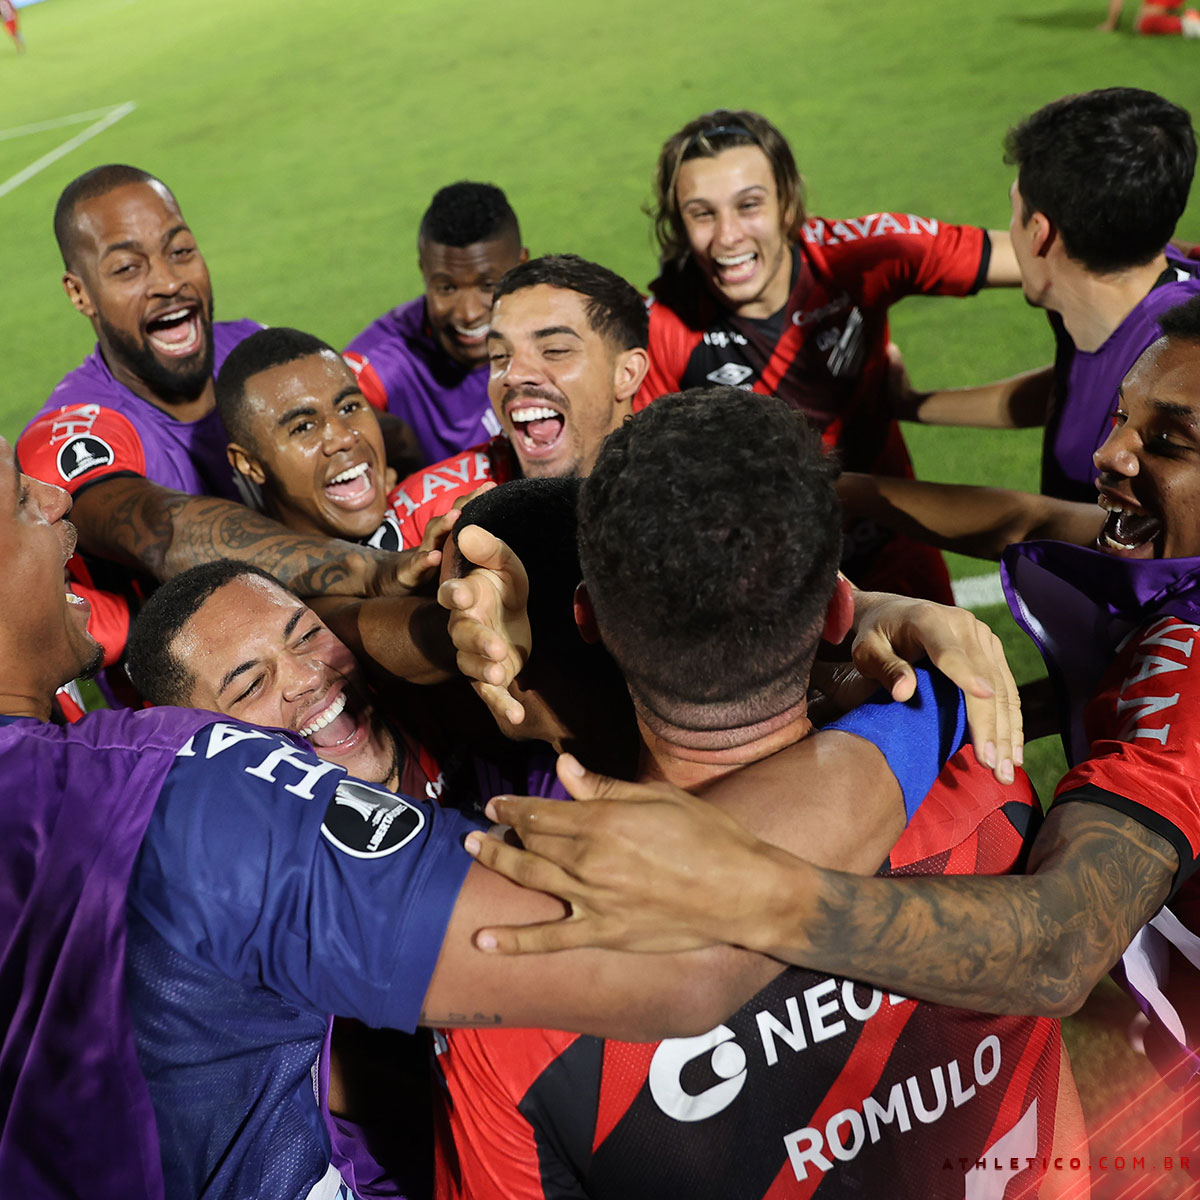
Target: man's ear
(524,255)
(585,618)
(78,295)
(839,616)
(1043,234)
(244,463)
(631,368)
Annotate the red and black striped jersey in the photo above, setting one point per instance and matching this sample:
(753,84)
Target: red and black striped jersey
(819,1086)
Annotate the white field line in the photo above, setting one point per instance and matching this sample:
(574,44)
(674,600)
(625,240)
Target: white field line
(978,591)
(55,123)
(112,116)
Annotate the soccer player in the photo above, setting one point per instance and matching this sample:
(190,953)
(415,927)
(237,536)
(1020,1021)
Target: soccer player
(755,293)
(1102,178)
(301,431)
(429,356)
(567,344)
(714,624)
(133,433)
(1155,17)
(8,14)
(1120,841)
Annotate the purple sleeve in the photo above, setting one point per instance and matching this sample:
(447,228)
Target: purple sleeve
(276,869)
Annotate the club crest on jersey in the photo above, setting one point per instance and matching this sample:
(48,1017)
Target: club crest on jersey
(365,822)
(730,374)
(82,454)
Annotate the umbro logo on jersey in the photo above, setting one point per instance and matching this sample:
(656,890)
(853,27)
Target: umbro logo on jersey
(368,823)
(82,454)
(730,374)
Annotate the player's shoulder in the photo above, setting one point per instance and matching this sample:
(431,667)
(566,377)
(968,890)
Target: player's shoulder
(75,443)
(472,466)
(395,329)
(227,334)
(141,730)
(874,236)
(679,303)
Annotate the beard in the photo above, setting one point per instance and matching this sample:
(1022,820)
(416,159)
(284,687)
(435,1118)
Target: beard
(178,382)
(92,667)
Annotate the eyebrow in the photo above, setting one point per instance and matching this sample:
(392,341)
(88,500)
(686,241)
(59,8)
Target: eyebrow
(134,244)
(552,330)
(310,410)
(251,663)
(750,187)
(1169,408)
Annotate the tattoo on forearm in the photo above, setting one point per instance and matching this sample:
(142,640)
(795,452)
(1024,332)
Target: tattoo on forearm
(1031,944)
(164,532)
(459,1020)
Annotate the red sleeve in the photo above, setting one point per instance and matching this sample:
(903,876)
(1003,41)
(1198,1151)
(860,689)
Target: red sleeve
(671,345)
(435,490)
(486,1149)
(1145,750)
(76,446)
(893,255)
(111,614)
(968,824)
(368,379)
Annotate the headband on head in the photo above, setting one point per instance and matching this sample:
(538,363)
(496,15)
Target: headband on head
(736,130)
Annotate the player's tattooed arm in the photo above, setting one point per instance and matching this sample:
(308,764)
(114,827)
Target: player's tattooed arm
(133,521)
(1036,943)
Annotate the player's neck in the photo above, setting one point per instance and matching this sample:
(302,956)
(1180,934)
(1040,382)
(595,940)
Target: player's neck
(1093,306)
(180,409)
(25,699)
(688,759)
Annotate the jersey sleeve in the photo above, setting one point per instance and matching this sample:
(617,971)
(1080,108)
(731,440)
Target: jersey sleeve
(434,490)
(670,346)
(110,616)
(1142,729)
(487,1147)
(886,256)
(368,380)
(917,737)
(276,869)
(77,446)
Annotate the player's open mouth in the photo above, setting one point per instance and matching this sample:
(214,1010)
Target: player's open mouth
(76,601)
(335,727)
(736,268)
(471,335)
(176,332)
(1128,531)
(537,429)
(353,488)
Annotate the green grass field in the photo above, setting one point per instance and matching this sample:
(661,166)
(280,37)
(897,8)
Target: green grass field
(304,141)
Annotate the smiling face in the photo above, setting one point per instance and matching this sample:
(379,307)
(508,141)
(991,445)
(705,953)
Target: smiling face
(139,277)
(1150,464)
(735,228)
(45,635)
(558,386)
(315,448)
(257,653)
(459,282)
